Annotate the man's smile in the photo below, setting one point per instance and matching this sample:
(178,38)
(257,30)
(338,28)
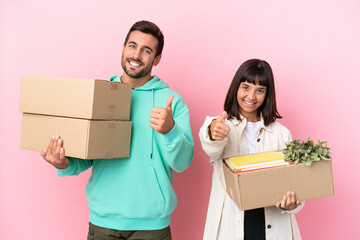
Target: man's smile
(134,63)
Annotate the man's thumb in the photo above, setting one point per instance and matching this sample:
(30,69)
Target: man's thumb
(223,116)
(169,101)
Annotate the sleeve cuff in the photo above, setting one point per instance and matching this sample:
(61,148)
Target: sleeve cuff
(65,172)
(213,142)
(175,132)
(295,210)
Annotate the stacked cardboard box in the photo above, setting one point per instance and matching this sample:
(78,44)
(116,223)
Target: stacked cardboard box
(91,116)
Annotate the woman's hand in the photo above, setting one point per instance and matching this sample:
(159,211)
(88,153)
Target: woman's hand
(218,130)
(288,202)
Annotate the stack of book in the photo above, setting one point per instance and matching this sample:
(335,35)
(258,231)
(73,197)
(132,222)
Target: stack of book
(256,161)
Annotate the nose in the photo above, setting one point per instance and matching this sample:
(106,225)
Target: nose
(137,54)
(251,95)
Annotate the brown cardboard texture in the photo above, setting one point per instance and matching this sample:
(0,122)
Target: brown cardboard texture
(82,138)
(263,188)
(77,98)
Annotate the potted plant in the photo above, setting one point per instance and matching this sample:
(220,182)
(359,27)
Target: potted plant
(307,152)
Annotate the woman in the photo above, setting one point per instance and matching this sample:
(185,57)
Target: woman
(247,126)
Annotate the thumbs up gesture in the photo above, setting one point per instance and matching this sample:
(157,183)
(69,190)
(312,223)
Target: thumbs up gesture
(218,130)
(161,119)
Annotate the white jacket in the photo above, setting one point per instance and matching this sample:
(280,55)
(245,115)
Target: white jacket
(224,220)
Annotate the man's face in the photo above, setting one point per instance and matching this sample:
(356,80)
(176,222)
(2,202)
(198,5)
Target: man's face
(138,56)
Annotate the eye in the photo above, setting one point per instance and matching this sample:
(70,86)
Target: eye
(245,87)
(261,90)
(131,46)
(147,51)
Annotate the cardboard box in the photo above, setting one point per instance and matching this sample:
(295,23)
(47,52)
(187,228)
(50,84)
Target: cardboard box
(82,138)
(77,98)
(263,188)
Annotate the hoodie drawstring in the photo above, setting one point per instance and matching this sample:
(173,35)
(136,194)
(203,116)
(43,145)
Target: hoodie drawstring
(152,130)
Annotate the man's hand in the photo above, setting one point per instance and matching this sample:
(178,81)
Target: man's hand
(288,202)
(161,119)
(55,154)
(218,129)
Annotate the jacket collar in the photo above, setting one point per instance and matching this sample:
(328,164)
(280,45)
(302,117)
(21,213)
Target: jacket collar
(243,121)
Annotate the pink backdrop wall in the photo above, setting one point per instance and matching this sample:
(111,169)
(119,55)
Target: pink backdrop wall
(313,47)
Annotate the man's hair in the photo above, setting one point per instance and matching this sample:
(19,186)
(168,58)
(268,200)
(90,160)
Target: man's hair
(149,28)
(253,71)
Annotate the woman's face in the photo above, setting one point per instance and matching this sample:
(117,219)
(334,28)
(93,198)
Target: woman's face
(250,97)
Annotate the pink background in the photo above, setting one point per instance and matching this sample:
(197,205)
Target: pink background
(313,47)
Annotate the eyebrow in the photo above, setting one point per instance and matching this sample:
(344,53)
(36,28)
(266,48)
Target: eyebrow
(131,42)
(147,47)
(248,84)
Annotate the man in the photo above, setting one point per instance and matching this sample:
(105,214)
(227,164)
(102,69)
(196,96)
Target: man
(132,198)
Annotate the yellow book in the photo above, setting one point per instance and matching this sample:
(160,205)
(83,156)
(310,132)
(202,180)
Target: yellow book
(255,158)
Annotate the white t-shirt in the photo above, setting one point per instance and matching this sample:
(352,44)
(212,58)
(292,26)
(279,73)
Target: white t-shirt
(251,131)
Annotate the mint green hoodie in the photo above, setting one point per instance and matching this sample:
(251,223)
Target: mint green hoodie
(135,193)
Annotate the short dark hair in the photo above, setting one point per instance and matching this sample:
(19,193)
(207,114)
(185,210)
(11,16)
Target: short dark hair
(149,28)
(253,71)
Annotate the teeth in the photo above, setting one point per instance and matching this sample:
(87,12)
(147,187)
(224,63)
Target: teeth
(249,103)
(134,64)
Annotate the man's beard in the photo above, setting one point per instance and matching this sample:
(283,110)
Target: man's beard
(145,71)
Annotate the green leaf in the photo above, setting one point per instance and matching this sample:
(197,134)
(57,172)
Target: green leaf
(306,151)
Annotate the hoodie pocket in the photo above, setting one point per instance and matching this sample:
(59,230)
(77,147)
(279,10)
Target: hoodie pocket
(131,192)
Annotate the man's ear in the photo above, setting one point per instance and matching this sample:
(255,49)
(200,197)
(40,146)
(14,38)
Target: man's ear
(157,60)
